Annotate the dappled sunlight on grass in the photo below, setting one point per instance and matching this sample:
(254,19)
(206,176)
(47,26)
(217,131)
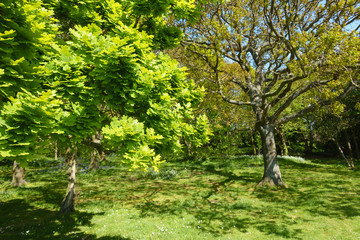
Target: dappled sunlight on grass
(210,199)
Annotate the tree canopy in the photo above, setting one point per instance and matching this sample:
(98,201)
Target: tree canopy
(73,70)
(283,51)
(101,73)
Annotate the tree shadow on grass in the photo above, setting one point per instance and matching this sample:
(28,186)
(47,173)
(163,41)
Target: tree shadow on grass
(216,205)
(20,220)
(318,190)
(35,214)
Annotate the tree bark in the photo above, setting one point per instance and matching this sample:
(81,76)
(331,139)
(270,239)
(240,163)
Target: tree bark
(356,144)
(348,163)
(253,141)
(94,160)
(55,151)
(348,142)
(102,156)
(68,204)
(308,143)
(272,174)
(18,175)
(284,149)
(98,154)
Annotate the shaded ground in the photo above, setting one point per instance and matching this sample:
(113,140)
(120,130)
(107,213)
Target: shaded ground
(212,199)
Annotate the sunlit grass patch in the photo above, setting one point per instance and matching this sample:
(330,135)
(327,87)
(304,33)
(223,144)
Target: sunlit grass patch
(292,158)
(210,199)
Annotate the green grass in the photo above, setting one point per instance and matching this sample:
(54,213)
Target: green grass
(212,199)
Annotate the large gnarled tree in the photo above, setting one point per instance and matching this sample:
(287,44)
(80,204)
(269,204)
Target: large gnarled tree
(283,50)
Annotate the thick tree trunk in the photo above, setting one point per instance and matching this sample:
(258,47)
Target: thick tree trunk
(18,175)
(68,204)
(272,174)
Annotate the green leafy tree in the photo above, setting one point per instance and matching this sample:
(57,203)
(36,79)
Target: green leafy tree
(229,134)
(283,50)
(333,125)
(26,35)
(110,79)
(150,16)
(28,120)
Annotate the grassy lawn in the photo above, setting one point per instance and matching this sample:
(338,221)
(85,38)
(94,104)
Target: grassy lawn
(212,199)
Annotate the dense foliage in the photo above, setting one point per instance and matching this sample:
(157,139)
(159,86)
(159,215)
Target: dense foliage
(281,60)
(95,77)
(102,71)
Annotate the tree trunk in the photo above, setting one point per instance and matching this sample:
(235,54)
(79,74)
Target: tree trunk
(348,142)
(348,163)
(102,156)
(94,160)
(18,175)
(307,143)
(284,149)
(55,151)
(311,141)
(272,174)
(356,144)
(252,141)
(68,203)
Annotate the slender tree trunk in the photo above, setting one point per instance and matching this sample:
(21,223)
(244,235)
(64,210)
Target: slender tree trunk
(307,144)
(18,175)
(348,142)
(68,203)
(356,144)
(102,156)
(284,149)
(98,152)
(311,141)
(252,141)
(94,160)
(188,146)
(348,163)
(281,151)
(272,174)
(55,151)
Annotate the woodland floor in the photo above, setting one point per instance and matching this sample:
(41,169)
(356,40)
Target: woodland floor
(211,199)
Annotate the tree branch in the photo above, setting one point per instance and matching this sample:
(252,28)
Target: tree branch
(296,94)
(306,110)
